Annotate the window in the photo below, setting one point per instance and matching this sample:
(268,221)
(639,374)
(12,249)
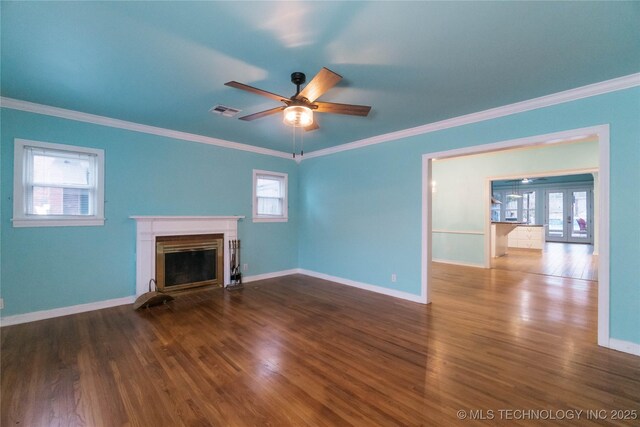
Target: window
(269,196)
(496,206)
(529,207)
(57,185)
(518,208)
(511,208)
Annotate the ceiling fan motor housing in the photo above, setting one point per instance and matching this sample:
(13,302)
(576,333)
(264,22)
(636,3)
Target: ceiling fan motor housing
(298,78)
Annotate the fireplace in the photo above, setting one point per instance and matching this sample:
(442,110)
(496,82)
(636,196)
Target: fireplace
(150,228)
(189,261)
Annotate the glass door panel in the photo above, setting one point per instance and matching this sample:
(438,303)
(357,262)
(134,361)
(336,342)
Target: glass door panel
(529,207)
(568,216)
(580,223)
(555,217)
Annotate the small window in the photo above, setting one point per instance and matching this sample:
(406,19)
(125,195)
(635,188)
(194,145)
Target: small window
(269,196)
(520,207)
(57,185)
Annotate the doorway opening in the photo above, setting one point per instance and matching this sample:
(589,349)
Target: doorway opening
(553,219)
(477,246)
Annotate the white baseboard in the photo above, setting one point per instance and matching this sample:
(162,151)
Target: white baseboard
(81,308)
(64,311)
(463,264)
(624,346)
(367,287)
(249,279)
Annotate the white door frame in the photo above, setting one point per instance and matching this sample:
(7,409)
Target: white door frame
(602,134)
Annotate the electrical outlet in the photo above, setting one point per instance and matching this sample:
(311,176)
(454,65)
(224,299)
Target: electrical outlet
(1,303)
(245,267)
(394,278)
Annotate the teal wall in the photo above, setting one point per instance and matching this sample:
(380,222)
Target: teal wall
(459,200)
(360,214)
(355,214)
(50,267)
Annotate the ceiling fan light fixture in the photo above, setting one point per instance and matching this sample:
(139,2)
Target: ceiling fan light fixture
(298,116)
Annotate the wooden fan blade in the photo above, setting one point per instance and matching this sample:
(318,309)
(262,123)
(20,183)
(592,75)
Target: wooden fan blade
(261,114)
(349,109)
(255,90)
(322,82)
(313,126)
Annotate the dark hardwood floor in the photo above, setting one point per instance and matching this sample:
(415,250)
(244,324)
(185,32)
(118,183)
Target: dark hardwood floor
(298,351)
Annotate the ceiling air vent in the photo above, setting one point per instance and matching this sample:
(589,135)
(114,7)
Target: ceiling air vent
(225,111)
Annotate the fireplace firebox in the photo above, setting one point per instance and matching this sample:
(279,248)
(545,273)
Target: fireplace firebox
(189,261)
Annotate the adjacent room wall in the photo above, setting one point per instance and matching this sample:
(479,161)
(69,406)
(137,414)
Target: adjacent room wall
(360,215)
(50,267)
(459,205)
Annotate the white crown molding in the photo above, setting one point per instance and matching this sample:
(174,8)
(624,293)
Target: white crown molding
(620,83)
(607,86)
(31,107)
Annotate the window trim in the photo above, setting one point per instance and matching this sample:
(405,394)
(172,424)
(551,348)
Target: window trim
(285,203)
(22,219)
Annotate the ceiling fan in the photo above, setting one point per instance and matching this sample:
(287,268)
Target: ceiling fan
(528,180)
(298,109)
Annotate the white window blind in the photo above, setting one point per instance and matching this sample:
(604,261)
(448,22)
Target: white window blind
(270,196)
(57,185)
(59,182)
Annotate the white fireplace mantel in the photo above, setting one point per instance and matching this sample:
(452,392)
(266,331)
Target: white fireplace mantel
(149,227)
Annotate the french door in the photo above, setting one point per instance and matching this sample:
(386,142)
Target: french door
(569,215)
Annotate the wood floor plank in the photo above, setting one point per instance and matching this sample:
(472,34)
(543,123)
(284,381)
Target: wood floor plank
(300,351)
(556,259)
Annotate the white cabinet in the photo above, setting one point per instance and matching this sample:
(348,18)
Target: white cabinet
(499,233)
(526,237)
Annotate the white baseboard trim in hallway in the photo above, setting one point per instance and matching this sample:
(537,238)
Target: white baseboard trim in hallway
(463,264)
(367,287)
(624,346)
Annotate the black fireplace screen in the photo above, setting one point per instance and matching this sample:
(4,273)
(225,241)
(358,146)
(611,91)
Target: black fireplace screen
(191,266)
(187,261)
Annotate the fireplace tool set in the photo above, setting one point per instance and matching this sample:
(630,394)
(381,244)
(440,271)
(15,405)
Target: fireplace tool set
(234,257)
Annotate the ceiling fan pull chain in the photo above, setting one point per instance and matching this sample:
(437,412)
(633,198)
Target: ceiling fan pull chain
(293,149)
(301,142)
